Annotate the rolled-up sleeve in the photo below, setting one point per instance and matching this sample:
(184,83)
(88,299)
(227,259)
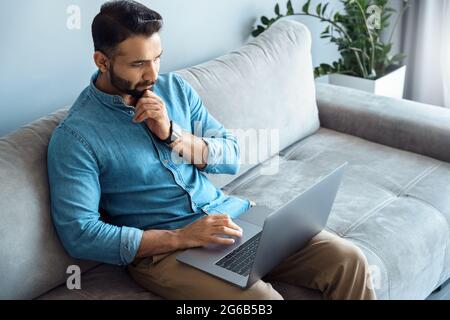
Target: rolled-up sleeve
(73,172)
(223,148)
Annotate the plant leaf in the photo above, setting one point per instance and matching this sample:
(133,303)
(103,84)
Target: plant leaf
(260,29)
(290,9)
(305,8)
(277,9)
(255,33)
(319,9)
(337,17)
(265,20)
(324,8)
(398,58)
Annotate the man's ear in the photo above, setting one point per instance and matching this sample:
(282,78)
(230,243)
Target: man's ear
(101,61)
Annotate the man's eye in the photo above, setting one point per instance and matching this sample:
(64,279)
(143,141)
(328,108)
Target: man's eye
(139,64)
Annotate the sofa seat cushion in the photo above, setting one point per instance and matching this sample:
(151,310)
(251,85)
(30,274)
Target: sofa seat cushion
(393,204)
(107,282)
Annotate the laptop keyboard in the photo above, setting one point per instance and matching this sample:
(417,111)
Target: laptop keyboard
(240,260)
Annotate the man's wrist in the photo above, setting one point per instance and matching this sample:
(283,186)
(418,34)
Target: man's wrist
(177,239)
(168,139)
(155,242)
(175,134)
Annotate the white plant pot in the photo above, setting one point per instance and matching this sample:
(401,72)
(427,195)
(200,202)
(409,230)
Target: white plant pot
(391,85)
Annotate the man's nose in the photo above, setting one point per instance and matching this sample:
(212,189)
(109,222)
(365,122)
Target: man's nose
(151,73)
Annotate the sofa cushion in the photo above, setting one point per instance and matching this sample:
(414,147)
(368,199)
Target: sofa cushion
(268,84)
(107,282)
(393,204)
(32,259)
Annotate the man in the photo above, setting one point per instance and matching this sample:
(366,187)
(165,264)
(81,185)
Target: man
(114,152)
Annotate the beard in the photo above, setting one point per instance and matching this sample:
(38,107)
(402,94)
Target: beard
(127,87)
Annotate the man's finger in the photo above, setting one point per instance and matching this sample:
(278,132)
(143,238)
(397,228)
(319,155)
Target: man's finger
(227,231)
(147,93)
(150,95)
(233,225)
(222,220)
(147,104)
(145,100)
(141,111)
(147,115)
(220,240)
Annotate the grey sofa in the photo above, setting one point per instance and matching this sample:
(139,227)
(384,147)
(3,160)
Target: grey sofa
(394,202)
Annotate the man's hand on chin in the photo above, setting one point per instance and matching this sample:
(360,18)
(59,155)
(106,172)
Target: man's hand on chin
(152,109)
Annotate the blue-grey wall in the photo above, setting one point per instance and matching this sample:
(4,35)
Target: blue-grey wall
(45,64)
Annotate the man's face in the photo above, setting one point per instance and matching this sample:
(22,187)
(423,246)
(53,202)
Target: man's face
(135,65)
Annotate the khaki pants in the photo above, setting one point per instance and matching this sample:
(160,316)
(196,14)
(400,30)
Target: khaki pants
(328,263)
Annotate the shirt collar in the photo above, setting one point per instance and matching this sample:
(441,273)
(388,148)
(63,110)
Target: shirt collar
(108,99)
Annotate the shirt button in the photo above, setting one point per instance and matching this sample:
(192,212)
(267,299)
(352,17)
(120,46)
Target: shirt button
(166,161)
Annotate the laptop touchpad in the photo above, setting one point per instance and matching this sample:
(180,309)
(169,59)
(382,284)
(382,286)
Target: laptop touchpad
(256,215)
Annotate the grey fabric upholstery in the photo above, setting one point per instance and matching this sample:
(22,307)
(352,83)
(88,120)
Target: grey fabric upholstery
(32,258)
(107,282)
(402,124)
(394,204)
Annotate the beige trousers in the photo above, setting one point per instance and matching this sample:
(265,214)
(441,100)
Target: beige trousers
(327,263)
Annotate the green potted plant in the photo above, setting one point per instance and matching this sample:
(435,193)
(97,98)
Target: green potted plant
(366,62)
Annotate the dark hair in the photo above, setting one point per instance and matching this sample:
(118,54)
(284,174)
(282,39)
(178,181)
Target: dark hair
(121,19)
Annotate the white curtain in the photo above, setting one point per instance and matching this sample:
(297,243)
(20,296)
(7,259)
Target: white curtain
(426,41)
(446,54)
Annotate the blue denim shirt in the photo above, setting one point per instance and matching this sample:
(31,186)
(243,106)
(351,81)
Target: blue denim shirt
(98,159)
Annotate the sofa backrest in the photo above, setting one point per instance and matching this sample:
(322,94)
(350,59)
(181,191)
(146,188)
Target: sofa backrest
(267,84)
(32,260)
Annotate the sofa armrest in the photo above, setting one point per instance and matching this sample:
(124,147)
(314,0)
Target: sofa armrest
(402,124)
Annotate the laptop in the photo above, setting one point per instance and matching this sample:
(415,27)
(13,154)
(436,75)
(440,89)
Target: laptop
(268,236)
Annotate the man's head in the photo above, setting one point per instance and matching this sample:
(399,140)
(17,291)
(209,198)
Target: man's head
(127,45)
